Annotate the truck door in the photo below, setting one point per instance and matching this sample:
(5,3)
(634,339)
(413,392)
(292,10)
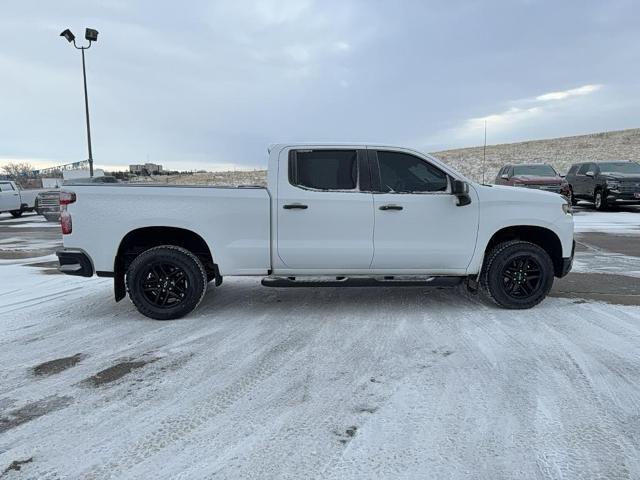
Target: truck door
(583,182)
(9,197)
(418,225)
(324,210)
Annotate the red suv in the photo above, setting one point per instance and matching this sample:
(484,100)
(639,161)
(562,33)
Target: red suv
(533,175)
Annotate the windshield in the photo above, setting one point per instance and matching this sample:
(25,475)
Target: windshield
(536,170)
(620,167)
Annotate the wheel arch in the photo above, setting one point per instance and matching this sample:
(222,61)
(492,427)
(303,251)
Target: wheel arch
(545,238)
(141,239)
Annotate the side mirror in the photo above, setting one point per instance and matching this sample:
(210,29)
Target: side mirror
(461,190)
(590,173)
(504,176)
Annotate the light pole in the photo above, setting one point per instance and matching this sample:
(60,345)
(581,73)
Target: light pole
(91,35)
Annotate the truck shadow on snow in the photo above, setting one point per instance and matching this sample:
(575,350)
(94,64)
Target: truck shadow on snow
(247,294)
(246,297)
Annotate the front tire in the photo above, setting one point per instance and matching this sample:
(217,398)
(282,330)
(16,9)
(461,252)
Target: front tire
(16,213)
(600,201)
(517,274)
(166,282)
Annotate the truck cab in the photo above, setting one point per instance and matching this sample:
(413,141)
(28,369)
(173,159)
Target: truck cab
(331,215)
(369,211)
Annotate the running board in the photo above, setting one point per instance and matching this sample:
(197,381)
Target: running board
(387,281)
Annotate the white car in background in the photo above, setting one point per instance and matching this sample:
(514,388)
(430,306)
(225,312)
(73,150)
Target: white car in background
(15,200)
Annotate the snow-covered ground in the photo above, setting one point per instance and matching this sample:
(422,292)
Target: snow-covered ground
(312,383)
(620,223)
(598,260)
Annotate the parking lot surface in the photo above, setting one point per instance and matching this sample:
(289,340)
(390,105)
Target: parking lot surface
(321,383)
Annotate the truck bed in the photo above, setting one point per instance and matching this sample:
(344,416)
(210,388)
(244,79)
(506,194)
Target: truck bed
(233,221)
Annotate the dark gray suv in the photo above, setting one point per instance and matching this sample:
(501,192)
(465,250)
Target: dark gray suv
(605,183)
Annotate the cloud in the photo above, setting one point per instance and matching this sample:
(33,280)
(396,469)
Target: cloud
(507,117)
(215,83)
(278,12)
(563,94)
(521,113)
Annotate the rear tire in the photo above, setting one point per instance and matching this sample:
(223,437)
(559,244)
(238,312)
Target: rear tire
(517,274)
(166,282)
(16,213)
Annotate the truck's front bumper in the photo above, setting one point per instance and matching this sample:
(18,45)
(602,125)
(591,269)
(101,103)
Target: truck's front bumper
(567,263)
(622,198)
(74,261)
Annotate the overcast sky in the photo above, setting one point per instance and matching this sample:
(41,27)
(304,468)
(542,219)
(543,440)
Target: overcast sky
(210,84)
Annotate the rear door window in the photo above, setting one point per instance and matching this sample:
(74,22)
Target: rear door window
(404,173)
(324,169)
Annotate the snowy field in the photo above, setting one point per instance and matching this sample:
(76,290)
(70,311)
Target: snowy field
(314,383)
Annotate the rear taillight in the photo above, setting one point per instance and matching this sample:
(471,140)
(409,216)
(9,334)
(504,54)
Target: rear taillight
(67,197)
(65,221)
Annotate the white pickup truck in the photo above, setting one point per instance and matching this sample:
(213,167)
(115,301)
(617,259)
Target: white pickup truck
(332,215)
(15,200)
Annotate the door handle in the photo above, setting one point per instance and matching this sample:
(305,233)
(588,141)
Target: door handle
(291,206)
(391,207)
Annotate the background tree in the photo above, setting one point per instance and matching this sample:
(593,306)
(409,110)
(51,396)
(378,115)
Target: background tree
(16,170)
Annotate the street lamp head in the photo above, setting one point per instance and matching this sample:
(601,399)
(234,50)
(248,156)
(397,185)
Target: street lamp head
(91,35)
(68,35)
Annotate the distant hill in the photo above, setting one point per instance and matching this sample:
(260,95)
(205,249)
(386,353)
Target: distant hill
(559,152)
(228,178)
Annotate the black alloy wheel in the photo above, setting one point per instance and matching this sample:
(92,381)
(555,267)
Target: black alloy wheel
(522,277)
(166,282)
(517,274)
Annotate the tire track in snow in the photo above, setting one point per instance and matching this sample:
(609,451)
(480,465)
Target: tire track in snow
(174,428)
(34,301)
(501,436)
(317,414)
(308,415)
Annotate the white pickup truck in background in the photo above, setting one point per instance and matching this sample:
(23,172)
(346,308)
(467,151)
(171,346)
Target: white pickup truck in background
(15,200)
(332,215)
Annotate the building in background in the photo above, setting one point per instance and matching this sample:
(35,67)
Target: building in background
(146,169)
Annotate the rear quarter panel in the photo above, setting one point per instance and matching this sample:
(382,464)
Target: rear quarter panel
(233,222)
